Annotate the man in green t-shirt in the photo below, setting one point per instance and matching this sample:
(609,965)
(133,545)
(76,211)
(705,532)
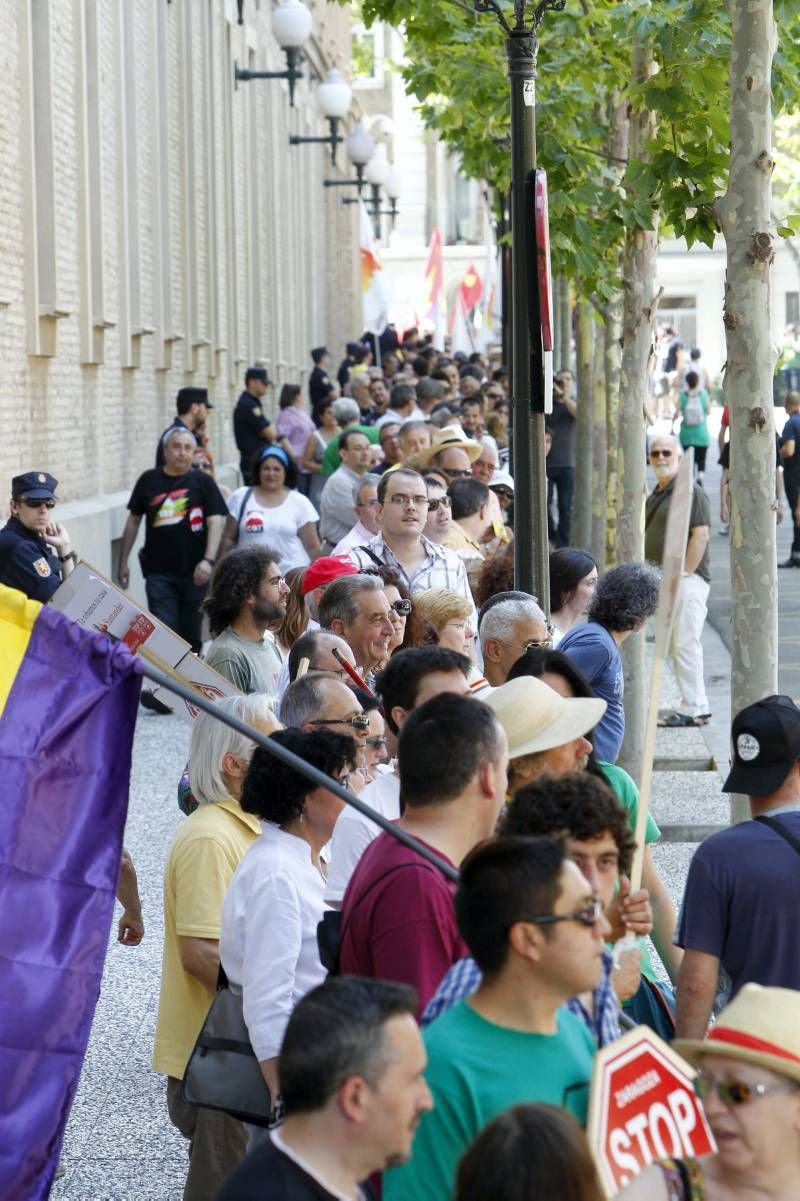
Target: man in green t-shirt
(348,415)
(247,595)
(531,922)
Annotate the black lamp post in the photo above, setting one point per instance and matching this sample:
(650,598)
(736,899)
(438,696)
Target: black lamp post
(527,371)
(360,146)
(333,96)
(291,27)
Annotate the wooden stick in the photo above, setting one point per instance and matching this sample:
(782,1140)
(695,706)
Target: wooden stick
(351,671)
(303,668)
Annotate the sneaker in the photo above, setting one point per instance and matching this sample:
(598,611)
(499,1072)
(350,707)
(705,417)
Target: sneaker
(149,701)
(792,561)
(724,528)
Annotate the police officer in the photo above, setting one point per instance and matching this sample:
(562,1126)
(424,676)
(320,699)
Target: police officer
(319,379)
(35,551)
(251,428)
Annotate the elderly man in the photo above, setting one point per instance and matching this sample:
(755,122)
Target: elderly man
(361,394)
(204,854)
(321,700)
(485,465)
(402,405)
(365,503)
(507,631)
(403,499)
(686,647)
(355,607)
(415,436)
(348,414)
(318,646)
(337,513)
(35,551)
(452,453)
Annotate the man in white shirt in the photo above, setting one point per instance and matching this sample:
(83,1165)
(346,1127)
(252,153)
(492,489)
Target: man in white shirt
(409,679)
(402,406)
(403,511)
(337,514)
(365,503)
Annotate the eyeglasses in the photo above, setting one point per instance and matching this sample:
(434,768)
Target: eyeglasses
(359,721)
(400,499)
(275,581)
(457,473)
(32,502)
(443,502)
(401,607)
(375,744)
(368,504)
(537,644)
(586,917)
(660,454)
(736,1092)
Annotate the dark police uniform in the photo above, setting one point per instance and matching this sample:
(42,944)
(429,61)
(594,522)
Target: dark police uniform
(318,384)
(27,562)
(248,422)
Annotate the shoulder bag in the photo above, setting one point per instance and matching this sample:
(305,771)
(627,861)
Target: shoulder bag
(240,514)
(775,825)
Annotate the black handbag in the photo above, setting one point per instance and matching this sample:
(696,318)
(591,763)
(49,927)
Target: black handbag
(223,1072)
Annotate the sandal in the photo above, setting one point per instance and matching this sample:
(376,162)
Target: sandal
(675,721)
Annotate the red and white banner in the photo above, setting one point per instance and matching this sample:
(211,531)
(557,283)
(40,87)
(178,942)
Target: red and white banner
(643,1107)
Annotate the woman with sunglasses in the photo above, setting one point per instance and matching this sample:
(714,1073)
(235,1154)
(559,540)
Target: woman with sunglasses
(748,1077)
(268,940)
(273,512)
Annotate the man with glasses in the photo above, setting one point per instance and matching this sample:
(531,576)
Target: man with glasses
(403,498)
(452,453)
(507,630)
(323,702)
(246,596)
(535,928)
(35,551)
(439,511)
(365,503)
(686,647)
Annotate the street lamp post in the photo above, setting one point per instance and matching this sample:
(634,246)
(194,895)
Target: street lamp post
(531,570)
(360,147)
(333,96)
(291,28)
(377,173)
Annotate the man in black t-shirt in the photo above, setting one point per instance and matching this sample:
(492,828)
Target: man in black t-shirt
(185,514)
(251,428)
(351,1072)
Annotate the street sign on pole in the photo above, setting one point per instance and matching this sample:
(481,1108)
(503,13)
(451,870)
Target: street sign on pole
(643,1107)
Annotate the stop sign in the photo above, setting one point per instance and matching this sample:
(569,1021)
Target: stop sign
(643,1107)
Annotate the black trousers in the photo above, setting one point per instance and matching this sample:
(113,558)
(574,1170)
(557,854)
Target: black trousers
(791,484)
(562,481)
(177,602)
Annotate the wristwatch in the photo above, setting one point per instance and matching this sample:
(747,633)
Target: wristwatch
(69,555)
(205,559)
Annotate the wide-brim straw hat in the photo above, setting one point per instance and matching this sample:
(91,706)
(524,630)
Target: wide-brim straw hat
(445,438)
(760,1026)
(536,718)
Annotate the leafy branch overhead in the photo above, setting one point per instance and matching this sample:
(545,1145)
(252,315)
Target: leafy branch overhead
(455,67)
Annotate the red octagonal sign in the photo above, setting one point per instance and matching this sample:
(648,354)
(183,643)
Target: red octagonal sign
(643,1107)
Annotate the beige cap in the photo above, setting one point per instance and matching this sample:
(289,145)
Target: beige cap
(444,439)
(536,718)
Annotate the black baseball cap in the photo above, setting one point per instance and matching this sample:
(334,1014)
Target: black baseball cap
(766,743)
(35,485)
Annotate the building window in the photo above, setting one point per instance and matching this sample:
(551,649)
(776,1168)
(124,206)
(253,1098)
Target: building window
(367,53)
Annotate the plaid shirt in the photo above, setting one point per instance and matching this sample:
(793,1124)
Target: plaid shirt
(464,977)
(442,568)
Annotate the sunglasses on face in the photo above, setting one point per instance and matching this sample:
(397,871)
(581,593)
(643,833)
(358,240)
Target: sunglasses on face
(375,744)
(585,917)
(359,721)
(660,454)
(401,607)
(736,1092)
(31,502)
(457,474)
(440,502)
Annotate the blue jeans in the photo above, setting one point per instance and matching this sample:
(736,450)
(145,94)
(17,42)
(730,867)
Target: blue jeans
(177,602)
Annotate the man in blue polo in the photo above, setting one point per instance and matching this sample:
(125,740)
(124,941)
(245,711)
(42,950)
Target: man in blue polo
(35,550)
(251,428)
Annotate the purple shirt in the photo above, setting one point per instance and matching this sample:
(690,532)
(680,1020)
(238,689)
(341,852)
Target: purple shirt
(297,427)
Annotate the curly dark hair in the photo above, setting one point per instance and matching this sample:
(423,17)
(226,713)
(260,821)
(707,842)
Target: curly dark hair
(496,575)
(626,596)
(276,792)
(236,576)
(578,805)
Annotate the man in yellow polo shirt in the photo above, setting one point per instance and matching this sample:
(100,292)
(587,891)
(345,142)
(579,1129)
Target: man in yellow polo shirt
(204,854)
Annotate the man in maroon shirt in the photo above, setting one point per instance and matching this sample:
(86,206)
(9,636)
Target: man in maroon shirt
(398,921)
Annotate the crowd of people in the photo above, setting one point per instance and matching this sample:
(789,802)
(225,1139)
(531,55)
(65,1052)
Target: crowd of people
(429,1009)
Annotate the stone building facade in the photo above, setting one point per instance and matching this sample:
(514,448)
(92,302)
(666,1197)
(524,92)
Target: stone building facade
(156,230)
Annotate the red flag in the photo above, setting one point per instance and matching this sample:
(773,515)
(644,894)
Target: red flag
(434,276)
(470,289)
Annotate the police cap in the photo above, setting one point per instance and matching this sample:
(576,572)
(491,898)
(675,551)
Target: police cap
(38,485)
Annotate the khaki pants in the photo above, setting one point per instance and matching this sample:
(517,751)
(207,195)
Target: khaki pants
(217,1143)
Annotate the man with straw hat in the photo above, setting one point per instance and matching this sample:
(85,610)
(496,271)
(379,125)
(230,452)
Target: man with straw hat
(748,1076)
(451,452)
(743,888)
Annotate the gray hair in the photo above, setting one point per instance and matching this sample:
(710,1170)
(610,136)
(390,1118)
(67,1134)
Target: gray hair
(626,596)
(212,740)
(303,701)
(345,410)
(366,481)
(500,620)
(173,431)
(340,598)
(358,381)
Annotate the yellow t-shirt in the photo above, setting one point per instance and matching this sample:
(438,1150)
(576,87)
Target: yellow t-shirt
(204,854)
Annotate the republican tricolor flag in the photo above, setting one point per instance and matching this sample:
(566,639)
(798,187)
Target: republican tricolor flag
(68,702)
(373,284)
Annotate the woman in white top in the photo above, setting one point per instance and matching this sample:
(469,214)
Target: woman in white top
(573,579)
(272,512)
(268,942)
(317,445)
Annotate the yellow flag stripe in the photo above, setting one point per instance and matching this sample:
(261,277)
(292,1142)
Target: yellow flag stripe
(17,616)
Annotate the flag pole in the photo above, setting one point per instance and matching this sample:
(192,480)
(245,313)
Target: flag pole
(173,684)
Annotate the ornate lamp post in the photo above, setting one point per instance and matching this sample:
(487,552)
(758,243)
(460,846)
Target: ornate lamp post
(291,28)
(360,147)
(527,374)
(377,173)
(333,96)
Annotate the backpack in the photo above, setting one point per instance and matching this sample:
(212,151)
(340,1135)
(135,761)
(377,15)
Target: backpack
(693,412)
